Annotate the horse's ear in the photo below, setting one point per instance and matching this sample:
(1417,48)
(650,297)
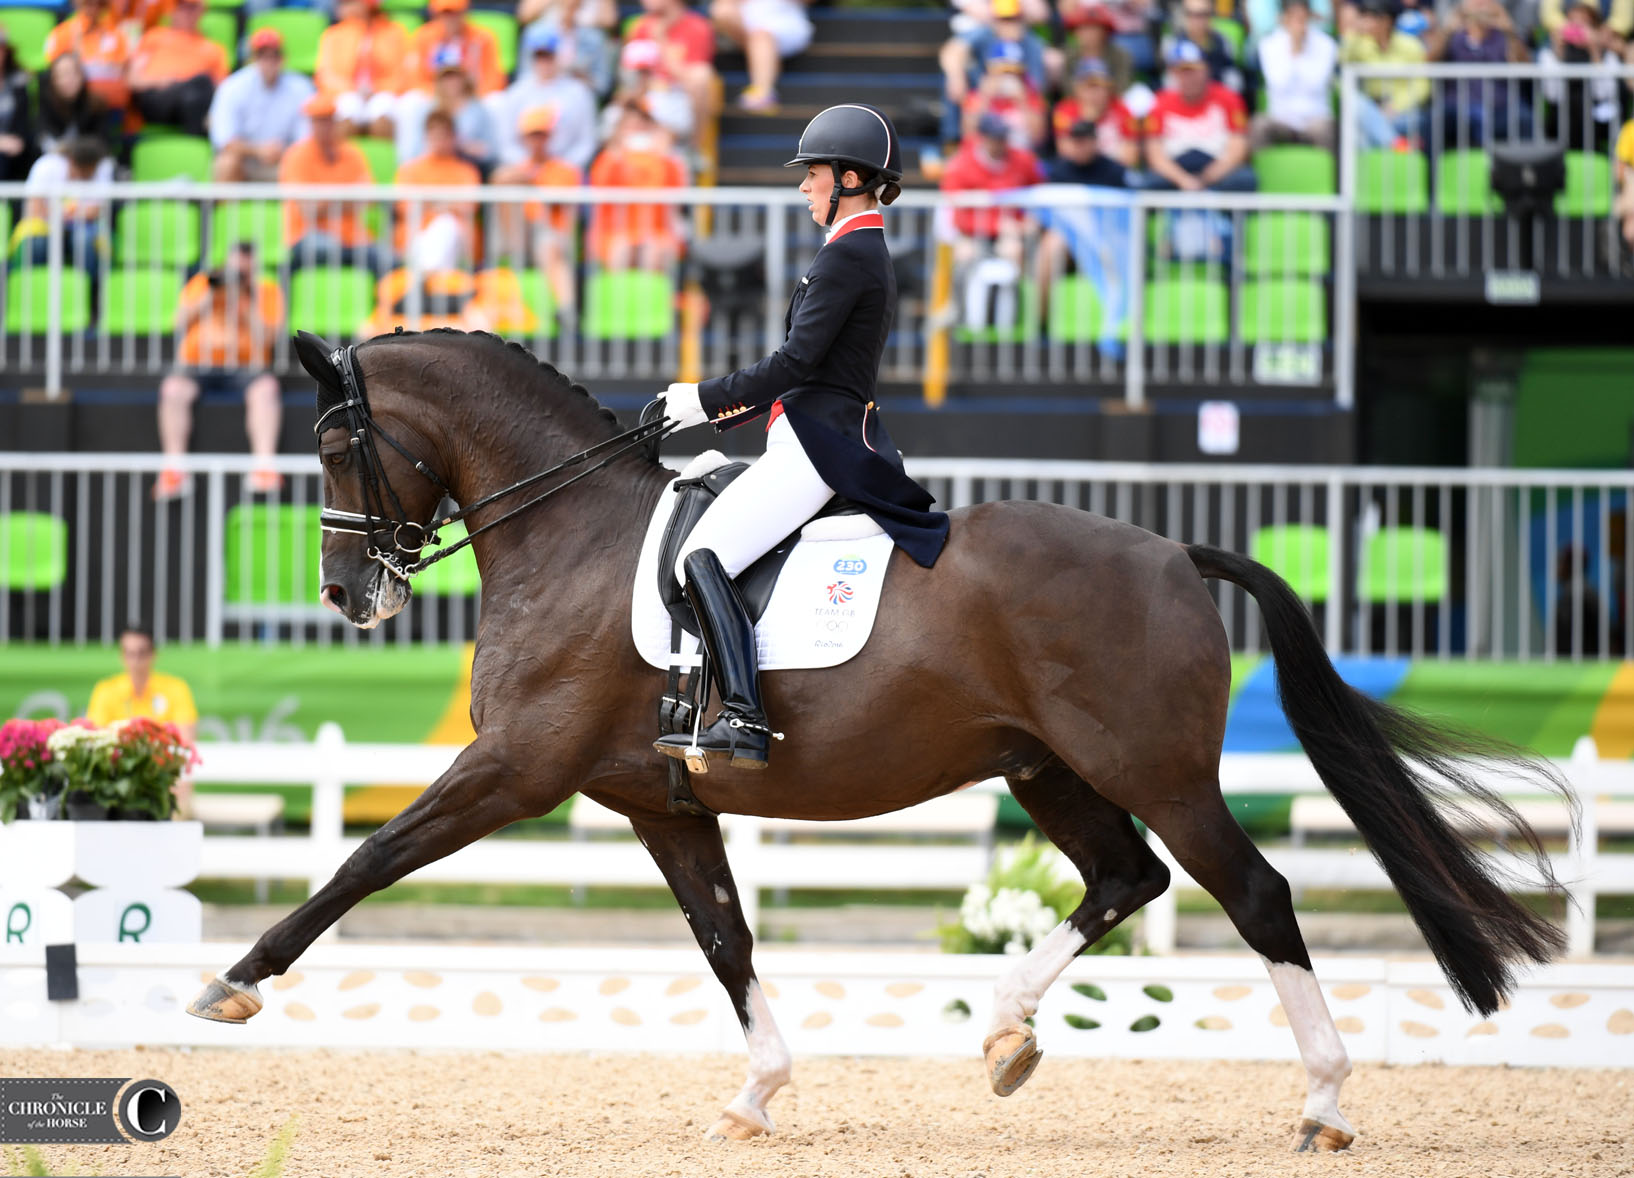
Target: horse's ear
(314,352)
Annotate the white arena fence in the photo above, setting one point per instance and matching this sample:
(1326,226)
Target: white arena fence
(844,857)
(1421,562)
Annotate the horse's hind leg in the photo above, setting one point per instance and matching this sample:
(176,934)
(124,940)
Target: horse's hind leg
(692,857)
(1208,843)
(1120,874)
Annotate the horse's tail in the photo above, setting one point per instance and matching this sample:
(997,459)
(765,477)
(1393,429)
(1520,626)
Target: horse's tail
(1388,769)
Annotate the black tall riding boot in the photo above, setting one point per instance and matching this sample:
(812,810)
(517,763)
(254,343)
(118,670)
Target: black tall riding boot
(740,731)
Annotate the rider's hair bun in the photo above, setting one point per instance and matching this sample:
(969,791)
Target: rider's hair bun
(889,191)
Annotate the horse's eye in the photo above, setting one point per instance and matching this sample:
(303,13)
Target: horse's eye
(336,458)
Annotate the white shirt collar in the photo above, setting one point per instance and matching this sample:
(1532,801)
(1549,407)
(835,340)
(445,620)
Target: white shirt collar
(835,228)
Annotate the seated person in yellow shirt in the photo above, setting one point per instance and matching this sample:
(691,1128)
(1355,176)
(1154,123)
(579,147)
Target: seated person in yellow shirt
(142,691)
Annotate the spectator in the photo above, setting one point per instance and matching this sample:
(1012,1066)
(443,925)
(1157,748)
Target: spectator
(988,243)
(430,46)
(138,16)
(256,114)
(767,31)
(94,35)
(1196,24)
(1624,208)
(1616,15)
(362,59)
(1389,111)
(537,234)
(68,109)
(78,160)
(641,78)
(640,155)
(1132,22)
(1585,111)
(476,136)
(1089,37)
(227,320)
(17,148)
(587,48)
(1095,236)
(175,70)
(688,42)
(142,691)
(445,238)
(1117,133)
(1196,133)
(965,61)
(1078,159)
(1297,63)
(1265,16)
(542,83)
(1474,110)
(1003,91)
(326,232)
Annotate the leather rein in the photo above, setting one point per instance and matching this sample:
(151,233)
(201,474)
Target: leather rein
(396,542)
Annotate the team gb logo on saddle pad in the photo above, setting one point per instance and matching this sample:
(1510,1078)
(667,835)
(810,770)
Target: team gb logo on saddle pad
(821,612)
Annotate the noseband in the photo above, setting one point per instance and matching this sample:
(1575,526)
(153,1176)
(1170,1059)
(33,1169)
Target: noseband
(396,542)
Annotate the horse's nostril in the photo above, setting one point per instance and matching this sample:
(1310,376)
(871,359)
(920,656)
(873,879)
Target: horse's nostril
(334,597)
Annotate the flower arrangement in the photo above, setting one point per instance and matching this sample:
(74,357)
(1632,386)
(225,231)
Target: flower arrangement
(28,767)
(130,767)
(1030,889)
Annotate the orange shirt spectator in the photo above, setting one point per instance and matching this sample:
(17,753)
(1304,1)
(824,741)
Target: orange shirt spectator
(167,54)
(541,169)
(478,50)
(441,166)
(687,37)
(639,156)
(987,162)
(138,16)
(363,53)
(324,157)
(230,329)
(94,36)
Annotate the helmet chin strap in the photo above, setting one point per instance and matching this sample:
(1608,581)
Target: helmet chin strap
(840,190)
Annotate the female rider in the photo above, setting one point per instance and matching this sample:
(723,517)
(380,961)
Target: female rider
(824,435)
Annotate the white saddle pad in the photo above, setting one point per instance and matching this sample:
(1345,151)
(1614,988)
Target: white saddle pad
(821,611)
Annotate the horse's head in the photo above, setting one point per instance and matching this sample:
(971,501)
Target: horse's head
(378,491)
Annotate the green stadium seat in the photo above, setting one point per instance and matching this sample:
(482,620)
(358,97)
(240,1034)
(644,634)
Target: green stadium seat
(33,551)
(1296,170)
(271,554)
(1298,553)
(1284,311)
(1463,184)
(27,29)
(140,301)
(1392,181)
(28,294)
(158,233)
(382,157)
(1588,186)
(5,221)
(1024,328)
(407,21)
(301,28)
(1403,565)
(1075,310)
(222,28)
(1286,243)
(629,304)
(1233,34)
(171,157)
(228,5)
(331,301)
(536,295)
(1187,311)
(260,222)
(457,575)
(416,6)
(503,26)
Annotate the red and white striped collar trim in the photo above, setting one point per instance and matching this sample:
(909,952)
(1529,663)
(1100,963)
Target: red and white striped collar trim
(870,219)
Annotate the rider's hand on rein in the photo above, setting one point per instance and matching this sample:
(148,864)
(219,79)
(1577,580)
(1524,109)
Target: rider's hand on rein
(681,407)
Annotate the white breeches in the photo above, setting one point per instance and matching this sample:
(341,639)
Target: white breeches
(764,504)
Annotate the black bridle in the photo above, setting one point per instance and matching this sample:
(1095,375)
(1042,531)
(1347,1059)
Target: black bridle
(395,541)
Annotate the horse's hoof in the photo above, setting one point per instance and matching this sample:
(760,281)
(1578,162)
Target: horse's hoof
(223,1001)
(1315,1137)
(1012,1056)
(734,1126)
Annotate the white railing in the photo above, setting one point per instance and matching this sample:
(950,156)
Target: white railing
(1427,562)
(329,764)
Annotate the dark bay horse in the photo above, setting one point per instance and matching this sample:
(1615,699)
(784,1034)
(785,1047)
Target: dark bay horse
(1081,658)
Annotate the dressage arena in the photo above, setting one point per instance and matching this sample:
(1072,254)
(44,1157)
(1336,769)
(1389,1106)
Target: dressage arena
(434,1114)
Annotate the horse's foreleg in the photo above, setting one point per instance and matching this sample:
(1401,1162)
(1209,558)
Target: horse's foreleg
(1120,874)
(692,857)
(480,793)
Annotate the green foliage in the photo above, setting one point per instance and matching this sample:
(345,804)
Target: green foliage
(1030,889)
(130,765)
(272,1165)
(26,1161)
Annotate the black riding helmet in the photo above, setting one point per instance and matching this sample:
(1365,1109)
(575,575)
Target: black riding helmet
(858,136)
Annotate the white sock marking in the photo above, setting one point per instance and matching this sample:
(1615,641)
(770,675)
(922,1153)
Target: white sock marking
(1016,997)
(769,1062)
(1324,1056)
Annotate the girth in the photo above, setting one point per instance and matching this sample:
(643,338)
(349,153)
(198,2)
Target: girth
(692,498)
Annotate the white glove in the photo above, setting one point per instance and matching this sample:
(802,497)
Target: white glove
(681,408)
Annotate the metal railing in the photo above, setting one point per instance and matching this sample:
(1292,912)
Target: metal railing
(1426,562)
(1424,203)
